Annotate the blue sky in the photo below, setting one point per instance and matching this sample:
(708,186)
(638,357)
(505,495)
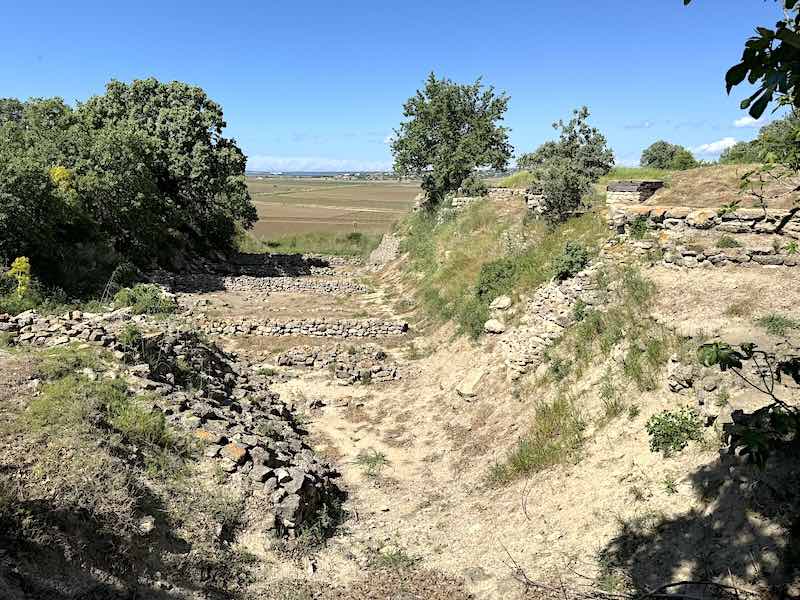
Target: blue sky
(320,85)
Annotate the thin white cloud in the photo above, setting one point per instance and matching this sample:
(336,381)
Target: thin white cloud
(638,125)
(388,139)
(627,161)
(313,163)
(714,148)
(749,121)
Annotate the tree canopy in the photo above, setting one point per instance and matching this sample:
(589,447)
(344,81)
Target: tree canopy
(137,174)
(565,169)
(451,130)
(583,146)
(663,155)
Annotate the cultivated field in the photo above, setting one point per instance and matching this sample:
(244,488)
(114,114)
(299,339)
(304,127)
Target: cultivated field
(293,205)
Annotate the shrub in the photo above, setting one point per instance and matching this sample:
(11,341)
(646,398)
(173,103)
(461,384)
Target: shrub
(572,260)
(473,186)
(671,431)
(130,337)
(563,188)
(146,298)
(495,279)
(638,228)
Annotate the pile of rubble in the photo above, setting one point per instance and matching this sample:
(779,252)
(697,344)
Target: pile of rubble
(341,328)
(348,364)
(242,425)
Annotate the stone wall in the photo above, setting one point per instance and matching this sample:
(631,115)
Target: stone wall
(247,283)
(548,312)
(631,192)
(339,328)
(531,199)
(386,251)
(681,218)
(348,364)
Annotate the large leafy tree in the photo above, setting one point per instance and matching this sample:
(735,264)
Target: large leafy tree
(663,155)
(451,130)
(138,174)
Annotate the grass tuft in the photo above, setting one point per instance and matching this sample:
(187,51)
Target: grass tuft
(556,438)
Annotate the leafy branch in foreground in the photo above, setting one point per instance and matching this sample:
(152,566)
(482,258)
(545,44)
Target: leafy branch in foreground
(770,428)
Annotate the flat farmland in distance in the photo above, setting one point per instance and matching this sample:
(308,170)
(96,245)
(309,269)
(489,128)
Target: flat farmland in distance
(294,205)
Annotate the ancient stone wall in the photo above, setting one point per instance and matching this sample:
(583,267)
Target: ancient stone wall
(339,328)
(631,192)
(681,218)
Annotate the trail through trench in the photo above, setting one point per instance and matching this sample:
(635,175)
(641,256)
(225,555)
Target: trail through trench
(415,456)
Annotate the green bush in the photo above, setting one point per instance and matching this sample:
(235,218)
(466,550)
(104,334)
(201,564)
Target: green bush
(671,431)
(572,260)
(495,279)
(141,172)
(473,186)
(145,298)
(638,228)
(777,324)
(130,337)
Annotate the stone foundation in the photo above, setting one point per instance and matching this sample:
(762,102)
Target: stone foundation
(631,192)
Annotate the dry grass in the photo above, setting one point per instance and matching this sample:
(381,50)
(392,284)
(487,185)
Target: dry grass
(717,185)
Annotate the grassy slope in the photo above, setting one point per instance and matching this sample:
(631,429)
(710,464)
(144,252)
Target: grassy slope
(446,260)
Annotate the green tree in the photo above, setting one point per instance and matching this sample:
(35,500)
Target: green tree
(583,146)
(140,173)
(741,153)
(683,160)
(663,155)
(450,131)
(565,169)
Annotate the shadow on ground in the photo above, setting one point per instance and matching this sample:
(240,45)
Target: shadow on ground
(252,265)
(748,528)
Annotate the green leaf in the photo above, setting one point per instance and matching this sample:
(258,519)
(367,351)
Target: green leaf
(736,75)
(789,37)
(757,109)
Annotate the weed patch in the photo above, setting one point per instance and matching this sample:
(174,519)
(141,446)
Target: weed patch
(556,438)
(777,324)
(146,298)
(671,431)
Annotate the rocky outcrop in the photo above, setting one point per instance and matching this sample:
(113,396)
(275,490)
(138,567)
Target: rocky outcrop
(348,364)
(339,328)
